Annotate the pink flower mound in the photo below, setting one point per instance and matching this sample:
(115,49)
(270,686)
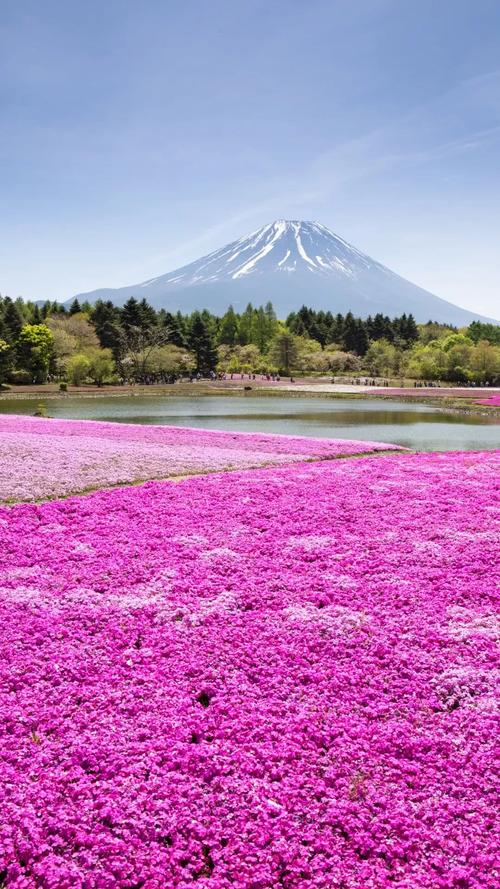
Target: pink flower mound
(492,399)
(458,392)
(45,458)
(279,678)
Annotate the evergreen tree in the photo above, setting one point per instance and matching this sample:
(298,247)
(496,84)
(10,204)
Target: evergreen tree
(228,331)
(246,326)
(271,319)
(131,315)
(202,344)
(13,320)
(411,330)
(262,333)
(75,307)
(174,324)
(355,338)
(147,315)
(180,330)
(336,332)
(106,320)
(284,352)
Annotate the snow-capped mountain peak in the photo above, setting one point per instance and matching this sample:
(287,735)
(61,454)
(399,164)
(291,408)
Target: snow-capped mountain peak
(284,246)
(290,263)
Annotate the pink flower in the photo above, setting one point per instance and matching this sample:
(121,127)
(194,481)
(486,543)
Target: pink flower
(279,677)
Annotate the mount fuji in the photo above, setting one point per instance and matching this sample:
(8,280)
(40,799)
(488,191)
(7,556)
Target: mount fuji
(289,263)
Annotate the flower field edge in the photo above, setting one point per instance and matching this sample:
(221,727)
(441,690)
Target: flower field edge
(42,459)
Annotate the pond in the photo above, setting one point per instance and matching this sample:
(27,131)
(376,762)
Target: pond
(417,426)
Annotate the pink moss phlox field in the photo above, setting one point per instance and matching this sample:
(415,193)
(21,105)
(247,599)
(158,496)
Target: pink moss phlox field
(492,399)
(285,677)
(45,458)
(431,392)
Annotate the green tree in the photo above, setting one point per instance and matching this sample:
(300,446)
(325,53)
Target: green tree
(105,318)
(132,315)
(228,331)
(139,344)
(355,337)
(75,307)
(246,326)
(478,331)
(170,360)
(77,369)
(265,326)
(101,365)
(64,346)
(12,321)
(381,358)
(202,344)
(5,360)
(284,351)
(176,327)
(485,362)
(35,347)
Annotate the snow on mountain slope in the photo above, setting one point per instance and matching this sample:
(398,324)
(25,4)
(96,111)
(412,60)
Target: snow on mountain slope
(282,246)
(289,263)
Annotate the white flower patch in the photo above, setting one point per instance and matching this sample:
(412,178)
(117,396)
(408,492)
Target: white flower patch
(216,552)
(333,616)
(465,622)
(310,542)
(224,603)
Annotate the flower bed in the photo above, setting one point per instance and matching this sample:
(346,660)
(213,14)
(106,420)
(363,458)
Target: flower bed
(431,391)
(494,400)
(45,458)
(278,678)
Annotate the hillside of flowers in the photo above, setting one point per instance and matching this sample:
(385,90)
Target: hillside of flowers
(41,458)
(284,677)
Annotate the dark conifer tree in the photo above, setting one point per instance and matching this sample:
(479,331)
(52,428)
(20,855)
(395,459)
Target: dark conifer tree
(131,315)
(106,320)
(202,344)
(13,321)
(228,331)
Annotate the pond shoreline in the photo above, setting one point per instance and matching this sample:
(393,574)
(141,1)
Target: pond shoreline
(452,400)
(424,424)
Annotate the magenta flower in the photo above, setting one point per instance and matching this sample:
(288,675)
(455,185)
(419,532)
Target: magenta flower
(283,677)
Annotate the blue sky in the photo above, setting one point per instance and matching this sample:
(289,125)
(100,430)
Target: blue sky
(134,137)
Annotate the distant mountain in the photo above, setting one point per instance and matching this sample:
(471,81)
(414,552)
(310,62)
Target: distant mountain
(290,263)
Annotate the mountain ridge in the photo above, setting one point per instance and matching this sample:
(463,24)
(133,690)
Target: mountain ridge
(289,262)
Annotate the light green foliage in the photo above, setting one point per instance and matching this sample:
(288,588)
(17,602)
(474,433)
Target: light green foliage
(35,347)
(135,342)
(229,326)
(382,359)
(77,369)
(5,360)
(170,360)
(455,358)
(284,351)
(342,362)
(101,365)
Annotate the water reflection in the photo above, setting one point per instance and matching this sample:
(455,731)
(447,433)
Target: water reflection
(413,425)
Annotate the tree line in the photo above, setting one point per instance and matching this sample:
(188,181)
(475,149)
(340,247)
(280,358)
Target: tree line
(103,343)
